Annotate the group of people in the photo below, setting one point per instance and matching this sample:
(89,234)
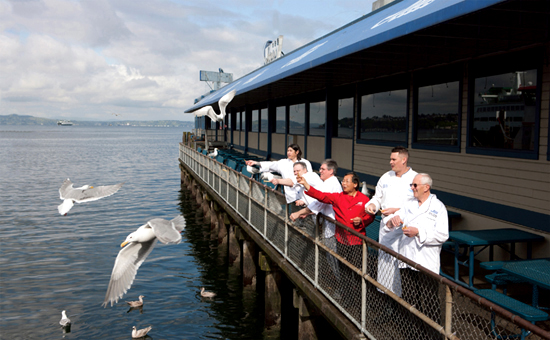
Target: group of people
(414,221)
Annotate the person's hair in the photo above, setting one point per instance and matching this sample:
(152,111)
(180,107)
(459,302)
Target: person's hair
(302,164)
(401,150)
(425,179)
(354,179)
(331,165)
(296,148)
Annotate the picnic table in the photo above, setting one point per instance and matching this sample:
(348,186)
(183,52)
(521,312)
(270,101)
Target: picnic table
(486,238)
(535,271)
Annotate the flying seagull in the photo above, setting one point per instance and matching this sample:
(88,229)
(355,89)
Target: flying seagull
(209,111)
(139,245)
(136,334)
(85,193)
(269,176)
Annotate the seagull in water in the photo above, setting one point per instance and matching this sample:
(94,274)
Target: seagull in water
(85,193)
(207,294)
(136,303)
(213,154)
(65,321)
(209,111)
(136,334)
(140,243)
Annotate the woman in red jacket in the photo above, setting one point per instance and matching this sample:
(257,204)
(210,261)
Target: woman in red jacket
(349,209)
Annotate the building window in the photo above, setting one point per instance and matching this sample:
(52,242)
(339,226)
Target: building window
(255,127)
(345,118)
(317,121)
(243,121)
(280,123)
(384,116)
(212,124)
(437,114)
(228,121)
(504,111)
(297,119)
(263,120)
(238,121)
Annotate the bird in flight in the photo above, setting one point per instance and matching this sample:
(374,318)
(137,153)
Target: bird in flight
(222,103)
(82,194)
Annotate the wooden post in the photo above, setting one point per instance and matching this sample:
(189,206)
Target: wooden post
(249,267)
(272,321)
(214,220)
(308,318)
(223,227)
(234,248)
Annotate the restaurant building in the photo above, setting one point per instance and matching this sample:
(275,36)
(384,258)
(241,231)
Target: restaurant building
(463,84)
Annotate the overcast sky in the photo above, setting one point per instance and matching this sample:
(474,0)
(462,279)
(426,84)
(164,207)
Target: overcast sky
(92,59)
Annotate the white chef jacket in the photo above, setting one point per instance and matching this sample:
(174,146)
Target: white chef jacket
(331,184)
(312,179)
(392,192)
(286,168)
(433,230)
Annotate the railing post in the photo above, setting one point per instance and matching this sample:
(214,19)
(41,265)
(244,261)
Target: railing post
(363,285)
(448,311)
(316,233)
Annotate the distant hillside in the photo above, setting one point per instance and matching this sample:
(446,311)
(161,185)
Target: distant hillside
(30,120)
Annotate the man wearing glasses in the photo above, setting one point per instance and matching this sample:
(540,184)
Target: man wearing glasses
(425,228)
(392,191)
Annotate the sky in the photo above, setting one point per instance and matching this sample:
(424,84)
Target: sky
(140,60)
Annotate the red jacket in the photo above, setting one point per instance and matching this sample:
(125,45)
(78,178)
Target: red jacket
(346,208)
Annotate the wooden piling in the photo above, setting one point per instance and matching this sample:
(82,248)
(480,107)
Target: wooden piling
(272,319)
(249,266)
(308,318)
(234,248)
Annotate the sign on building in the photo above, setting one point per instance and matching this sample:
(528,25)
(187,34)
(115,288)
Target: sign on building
(273,50)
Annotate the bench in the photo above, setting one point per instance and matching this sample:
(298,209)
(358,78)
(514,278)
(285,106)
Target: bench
(519,308)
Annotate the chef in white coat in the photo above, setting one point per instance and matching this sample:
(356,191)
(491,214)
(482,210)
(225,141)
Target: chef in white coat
(285,168)
(425,228)
(392,192)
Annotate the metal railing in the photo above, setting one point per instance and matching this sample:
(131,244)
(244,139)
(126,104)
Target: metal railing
(423,306)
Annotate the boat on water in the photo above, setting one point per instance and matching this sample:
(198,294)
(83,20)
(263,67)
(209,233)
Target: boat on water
(64,122)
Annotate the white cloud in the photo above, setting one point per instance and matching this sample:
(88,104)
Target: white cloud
(86,59)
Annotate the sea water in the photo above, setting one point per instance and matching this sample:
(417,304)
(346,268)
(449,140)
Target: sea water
(50,263)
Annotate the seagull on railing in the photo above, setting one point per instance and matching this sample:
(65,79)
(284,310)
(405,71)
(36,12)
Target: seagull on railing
(364,189)
(213,154)
(222,103)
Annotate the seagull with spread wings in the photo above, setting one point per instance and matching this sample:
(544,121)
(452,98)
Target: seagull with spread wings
(222,103)
(82,194)
(139,245)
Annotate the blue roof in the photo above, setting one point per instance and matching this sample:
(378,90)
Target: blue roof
(398,19)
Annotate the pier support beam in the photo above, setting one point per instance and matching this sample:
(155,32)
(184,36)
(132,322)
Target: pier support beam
(234,248)
(272,321)
(223,243)
(308,318)
(249,266)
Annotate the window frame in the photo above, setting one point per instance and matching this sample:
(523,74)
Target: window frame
(493,66)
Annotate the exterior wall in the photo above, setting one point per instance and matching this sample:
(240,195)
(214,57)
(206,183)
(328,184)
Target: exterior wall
(342,152)
(253,140)
(279,143)
(315,149)
(263,141)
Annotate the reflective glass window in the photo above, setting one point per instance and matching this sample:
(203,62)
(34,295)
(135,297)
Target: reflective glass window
(317,121)
(280,123)
(504,111)
(384,116)
(345,118)
(297,119)
(255,127)
(263,120)
(437,114)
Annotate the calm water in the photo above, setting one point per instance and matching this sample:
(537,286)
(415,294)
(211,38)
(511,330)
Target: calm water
(50,262)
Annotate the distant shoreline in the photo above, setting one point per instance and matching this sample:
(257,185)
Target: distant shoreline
(14,119)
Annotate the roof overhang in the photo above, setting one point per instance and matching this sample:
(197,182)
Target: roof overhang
(404,36)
